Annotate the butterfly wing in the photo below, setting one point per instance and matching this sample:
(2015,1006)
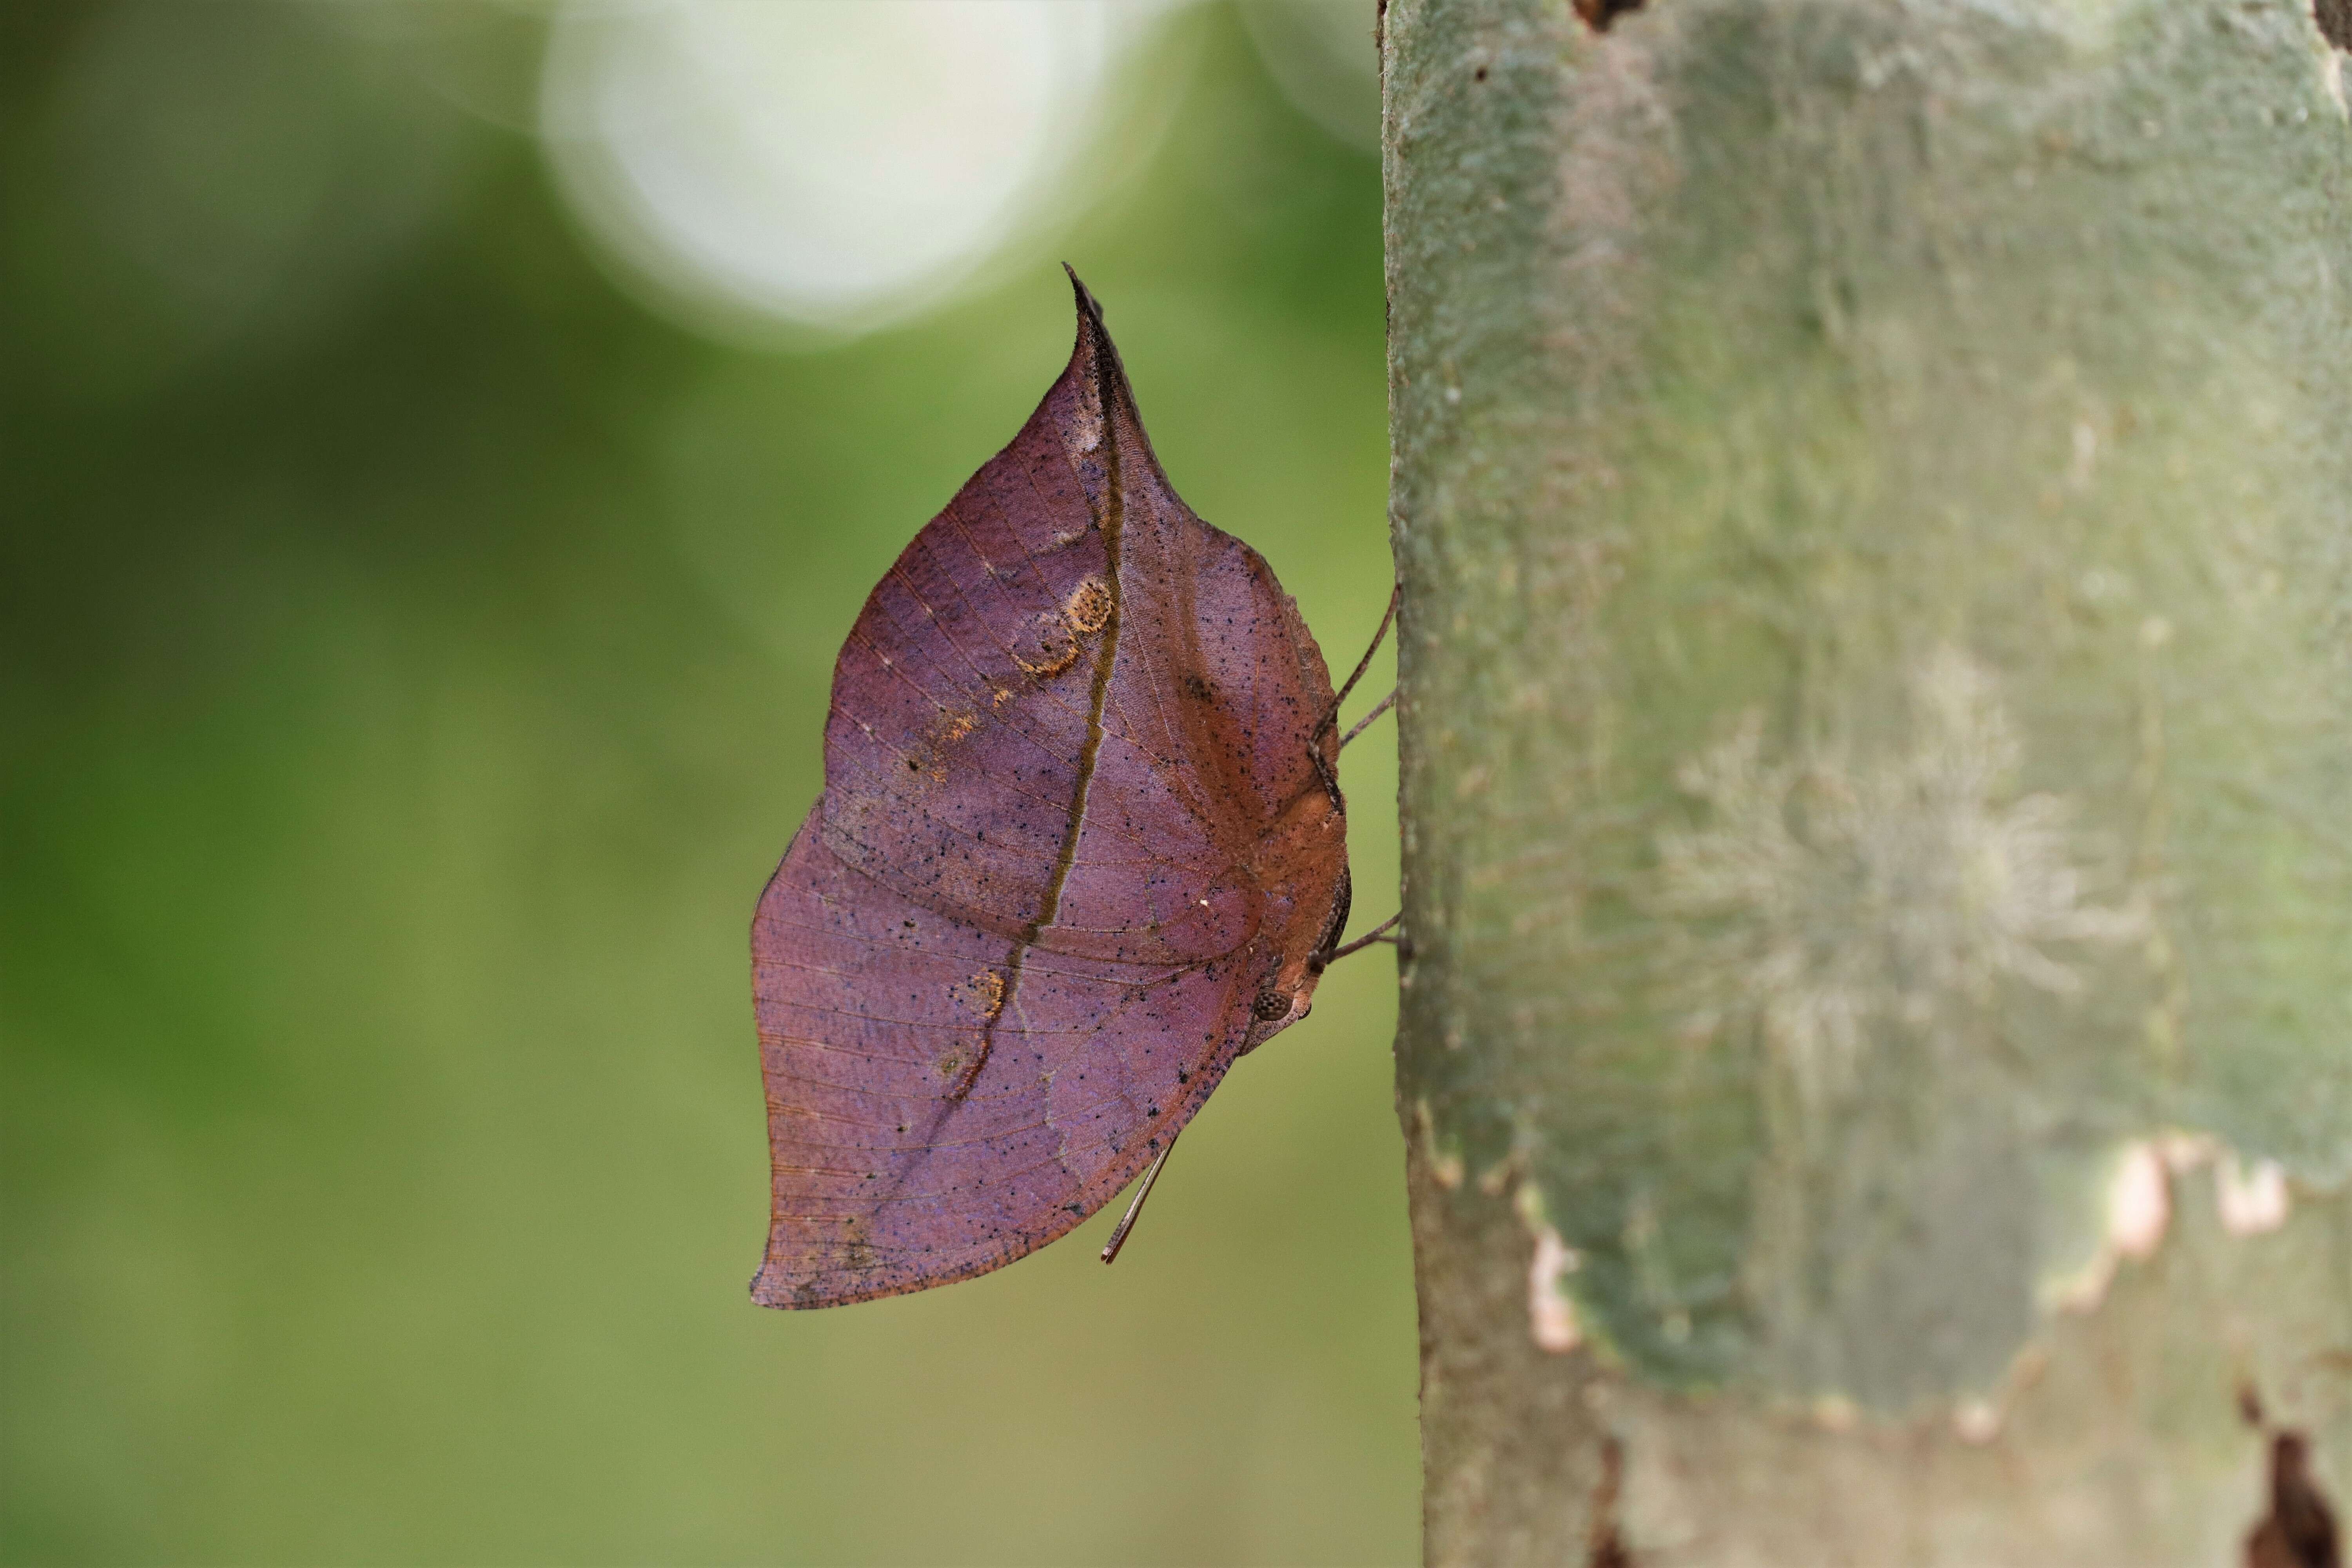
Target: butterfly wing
(996,749)
(873,1008)
(1021,937)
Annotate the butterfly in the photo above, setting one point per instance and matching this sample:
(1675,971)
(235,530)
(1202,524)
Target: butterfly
(1081,846)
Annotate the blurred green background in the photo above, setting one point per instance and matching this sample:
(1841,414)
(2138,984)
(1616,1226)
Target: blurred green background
(415,654)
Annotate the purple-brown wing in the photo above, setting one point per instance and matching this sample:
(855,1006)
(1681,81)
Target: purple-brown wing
(871,1009)
(1034,720)
(1069,769)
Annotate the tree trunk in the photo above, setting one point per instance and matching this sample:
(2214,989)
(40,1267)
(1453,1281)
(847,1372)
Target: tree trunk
(1873,492)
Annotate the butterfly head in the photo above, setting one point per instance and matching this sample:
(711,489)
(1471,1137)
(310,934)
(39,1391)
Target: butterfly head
(1289,993)
(1276,1008)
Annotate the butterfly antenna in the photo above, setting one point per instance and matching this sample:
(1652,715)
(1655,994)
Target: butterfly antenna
(1127,1221)
(1362,665)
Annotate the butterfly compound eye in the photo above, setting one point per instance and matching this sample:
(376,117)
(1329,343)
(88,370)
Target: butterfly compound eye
(1270,1006)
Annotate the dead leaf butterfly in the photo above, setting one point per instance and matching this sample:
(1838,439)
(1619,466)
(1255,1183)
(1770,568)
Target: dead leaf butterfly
(1081,845)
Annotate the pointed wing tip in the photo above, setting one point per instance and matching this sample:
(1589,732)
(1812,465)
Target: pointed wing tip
(1090,316)
(1089,307)
(1093,344)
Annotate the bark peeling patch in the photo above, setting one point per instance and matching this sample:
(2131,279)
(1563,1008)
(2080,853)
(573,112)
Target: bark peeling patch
(1552,1313)
(2250,1199)
(1606,1546)
(1552,1321)
(1598,13)
(2138,1209)
(2333,17)
(2299,1528)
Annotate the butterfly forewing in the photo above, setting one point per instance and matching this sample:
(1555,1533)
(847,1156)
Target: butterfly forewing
(1058,863)
(978,696)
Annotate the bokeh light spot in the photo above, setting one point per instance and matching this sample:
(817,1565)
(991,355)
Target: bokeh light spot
(826,165)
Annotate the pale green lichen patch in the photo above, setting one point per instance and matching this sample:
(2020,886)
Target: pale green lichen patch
(1833,894)
(1878,543)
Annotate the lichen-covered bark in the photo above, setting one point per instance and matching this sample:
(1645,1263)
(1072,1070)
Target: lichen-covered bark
(1873,490)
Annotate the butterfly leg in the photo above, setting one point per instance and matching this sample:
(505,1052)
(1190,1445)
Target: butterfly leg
(1362,665)
(1365,722)
(1384,932)
(1127,1221)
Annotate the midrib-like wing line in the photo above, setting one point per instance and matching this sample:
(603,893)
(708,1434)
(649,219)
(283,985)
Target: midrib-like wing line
(1165,766)
(1089,753)
(974,834)
(878,943)
(1106,659)
(922,645)
(979,619)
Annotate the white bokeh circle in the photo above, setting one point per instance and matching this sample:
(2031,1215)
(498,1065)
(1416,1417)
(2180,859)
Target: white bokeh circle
(826,163)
